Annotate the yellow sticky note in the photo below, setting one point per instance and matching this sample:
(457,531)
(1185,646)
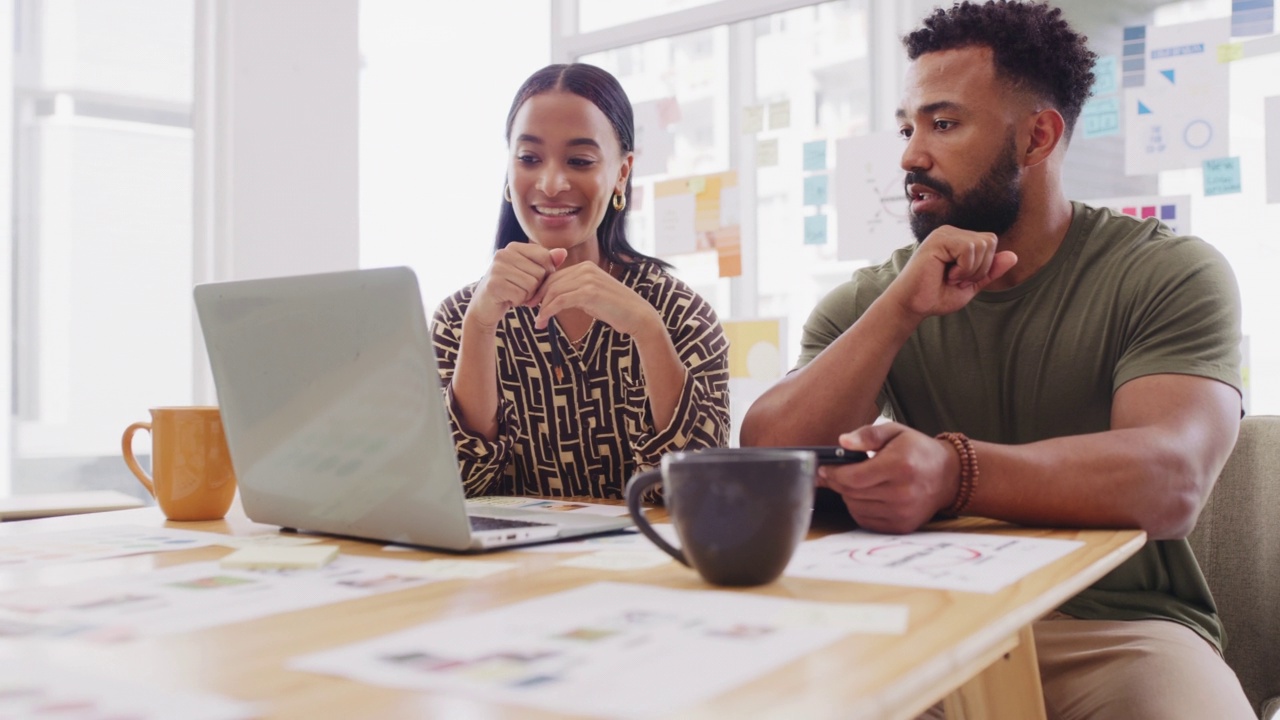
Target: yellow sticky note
(275,557)
(767,152)
(728,244)
(1230,52)
(780,115)
(755,348)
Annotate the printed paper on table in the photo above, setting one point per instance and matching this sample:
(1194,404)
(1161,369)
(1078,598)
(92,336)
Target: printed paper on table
(191,597)
(23,552)
(582,651)
(32,687)
(971,562)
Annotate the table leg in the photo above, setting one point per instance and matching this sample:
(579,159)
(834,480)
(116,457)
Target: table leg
(1007,690)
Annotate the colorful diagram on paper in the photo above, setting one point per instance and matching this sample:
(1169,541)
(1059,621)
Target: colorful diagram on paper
(971,562)
(22,552)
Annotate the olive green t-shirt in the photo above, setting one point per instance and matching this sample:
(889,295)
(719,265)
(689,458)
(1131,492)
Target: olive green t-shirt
(1120,299)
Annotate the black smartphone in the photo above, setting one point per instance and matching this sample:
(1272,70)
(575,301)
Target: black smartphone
(826,501)
(833,454)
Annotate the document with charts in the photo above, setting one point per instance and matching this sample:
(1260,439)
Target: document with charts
(606,649)
(972,562)
(191,597)
(37,550)
(31,687)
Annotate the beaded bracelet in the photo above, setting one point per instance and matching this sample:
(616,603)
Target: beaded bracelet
(968,472)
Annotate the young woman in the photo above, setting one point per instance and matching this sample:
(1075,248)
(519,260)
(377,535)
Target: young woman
(575,360)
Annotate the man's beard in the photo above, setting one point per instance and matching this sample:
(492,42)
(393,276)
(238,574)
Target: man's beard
(992,206)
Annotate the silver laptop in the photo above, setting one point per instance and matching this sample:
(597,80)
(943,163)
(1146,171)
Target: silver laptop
(335,420)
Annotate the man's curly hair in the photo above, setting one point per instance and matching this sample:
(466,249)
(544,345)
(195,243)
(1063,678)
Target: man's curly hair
(1033,46)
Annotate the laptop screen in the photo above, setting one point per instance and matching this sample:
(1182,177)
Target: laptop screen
(331,403)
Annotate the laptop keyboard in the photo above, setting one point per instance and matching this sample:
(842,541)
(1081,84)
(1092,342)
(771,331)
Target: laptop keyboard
(480,522)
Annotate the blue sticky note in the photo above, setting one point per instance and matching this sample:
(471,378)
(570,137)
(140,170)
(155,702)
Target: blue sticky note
(815,190)
(815,155)
(1105,75)
(1100,117)
(815,230)
(1222,176)
(1252,17)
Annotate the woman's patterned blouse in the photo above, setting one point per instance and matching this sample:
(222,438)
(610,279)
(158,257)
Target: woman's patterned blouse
(588,434)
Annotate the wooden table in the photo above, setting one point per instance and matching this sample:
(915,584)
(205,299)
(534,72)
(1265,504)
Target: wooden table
(974,650)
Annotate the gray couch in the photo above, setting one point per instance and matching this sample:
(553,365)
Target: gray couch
(1237,541)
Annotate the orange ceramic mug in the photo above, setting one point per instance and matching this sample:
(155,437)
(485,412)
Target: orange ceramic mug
(191,474)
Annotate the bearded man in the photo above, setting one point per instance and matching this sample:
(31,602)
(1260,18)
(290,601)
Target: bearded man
(1042,362)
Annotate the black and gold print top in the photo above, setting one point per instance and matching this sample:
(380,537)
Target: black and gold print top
(586,435)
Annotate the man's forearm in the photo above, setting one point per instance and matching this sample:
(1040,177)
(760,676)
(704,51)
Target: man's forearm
(1118,479)
(1154,471)
(836,392)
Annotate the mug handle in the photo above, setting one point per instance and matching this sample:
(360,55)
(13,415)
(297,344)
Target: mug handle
(127,445)
(637,486)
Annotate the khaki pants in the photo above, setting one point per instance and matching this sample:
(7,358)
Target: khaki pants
(1131,670)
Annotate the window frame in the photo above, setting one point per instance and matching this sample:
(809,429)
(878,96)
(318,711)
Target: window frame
(886,60)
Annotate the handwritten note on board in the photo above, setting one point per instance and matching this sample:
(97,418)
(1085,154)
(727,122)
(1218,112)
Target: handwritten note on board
(1105,76)
(780,115)
(1222,176)
(815,155)
(815,230)
(752,119)
(1100,117)
(767,152)
(673,220)
(815,190)
(700,213)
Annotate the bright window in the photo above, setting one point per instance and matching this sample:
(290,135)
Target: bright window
(598,14)
(433,155)
(103,233)
(836,66)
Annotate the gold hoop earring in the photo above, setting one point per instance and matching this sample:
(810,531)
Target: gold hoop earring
(619,202)
(506,192)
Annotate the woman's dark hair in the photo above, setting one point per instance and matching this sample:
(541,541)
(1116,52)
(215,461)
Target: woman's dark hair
(603,90)
(1033,47)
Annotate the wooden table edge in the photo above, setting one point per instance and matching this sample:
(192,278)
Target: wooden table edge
(972,656)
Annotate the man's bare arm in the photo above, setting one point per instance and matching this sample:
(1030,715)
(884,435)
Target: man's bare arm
(834,392)
(837,390)
(1154,469)
(1170,437)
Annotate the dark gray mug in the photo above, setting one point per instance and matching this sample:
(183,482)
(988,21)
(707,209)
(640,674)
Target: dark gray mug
(739,512)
